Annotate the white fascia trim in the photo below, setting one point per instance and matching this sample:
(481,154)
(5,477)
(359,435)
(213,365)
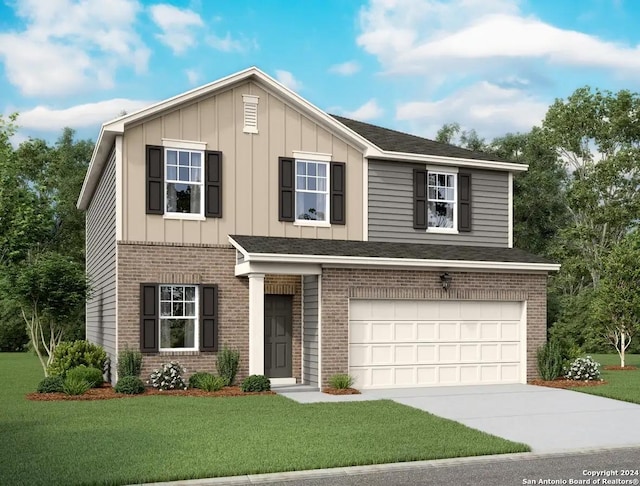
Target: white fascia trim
(184,144)
(311,156)
(99,158)
(510,212)
(249,268)
(447,161)
(253,258)
(119,191)
(235,244)
(365,199)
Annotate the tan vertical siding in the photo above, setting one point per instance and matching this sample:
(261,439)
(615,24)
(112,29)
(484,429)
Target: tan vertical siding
(250,168)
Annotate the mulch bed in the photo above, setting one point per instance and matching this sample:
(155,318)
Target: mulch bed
(106,392)
(562,383)
(341,391)
(620,368)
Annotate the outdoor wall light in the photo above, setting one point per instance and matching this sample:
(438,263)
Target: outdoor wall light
(445,280)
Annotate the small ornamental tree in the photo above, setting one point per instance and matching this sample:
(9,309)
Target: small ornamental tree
(51,290)
(616,302)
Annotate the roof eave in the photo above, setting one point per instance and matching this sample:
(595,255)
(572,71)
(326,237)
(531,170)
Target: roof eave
(442,160)
(99,157)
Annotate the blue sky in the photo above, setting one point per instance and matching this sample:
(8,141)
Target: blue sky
(492,65)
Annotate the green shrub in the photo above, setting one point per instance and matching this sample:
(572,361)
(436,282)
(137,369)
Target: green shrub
(255,383)
(194,380)
(227,364)
(51,384)
(584,369)
(68,355)
(129,363)
(549,358)
(211,383)
(75,386)
(341,381)
(91,375)
(131,385)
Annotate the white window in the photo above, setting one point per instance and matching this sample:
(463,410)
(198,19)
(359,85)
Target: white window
(442,199)
(312,191)
(183,181)
(178,317)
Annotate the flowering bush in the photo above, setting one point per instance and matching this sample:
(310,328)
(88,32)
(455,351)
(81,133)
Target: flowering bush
(168,377)
(583,369)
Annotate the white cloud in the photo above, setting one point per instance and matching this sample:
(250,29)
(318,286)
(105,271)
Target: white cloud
(229,44)
(369,111)
(69,46)
(490,109)
(422,36)
(346,68)
(193,76)
(179,26)
(286,78)
(86,115)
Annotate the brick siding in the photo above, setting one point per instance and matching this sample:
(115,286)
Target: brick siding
(338,284)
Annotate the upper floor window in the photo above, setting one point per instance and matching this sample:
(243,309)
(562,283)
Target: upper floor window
(312,191)
(183,183)
(442,201)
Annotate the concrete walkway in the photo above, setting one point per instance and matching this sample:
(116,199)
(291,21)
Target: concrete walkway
(547,419)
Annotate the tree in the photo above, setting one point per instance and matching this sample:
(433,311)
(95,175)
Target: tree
(616,302)
(597,135)
(51,290)
(448,132)
(451,133)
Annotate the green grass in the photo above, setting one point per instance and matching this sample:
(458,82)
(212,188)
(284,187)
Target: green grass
(621,385)
(157,438)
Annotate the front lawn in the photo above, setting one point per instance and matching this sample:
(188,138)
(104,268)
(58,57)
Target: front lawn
(621,385)
(157,438)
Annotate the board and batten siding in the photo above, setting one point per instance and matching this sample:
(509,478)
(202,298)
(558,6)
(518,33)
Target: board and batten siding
(249,169)
(391,207)
(310,330)
(101,262)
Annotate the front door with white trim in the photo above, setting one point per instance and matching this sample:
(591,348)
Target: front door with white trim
(277,336)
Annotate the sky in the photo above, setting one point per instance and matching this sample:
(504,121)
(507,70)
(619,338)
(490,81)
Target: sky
(412,65)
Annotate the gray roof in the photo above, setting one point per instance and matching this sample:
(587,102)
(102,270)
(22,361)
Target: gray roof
(375,249)
(394,141)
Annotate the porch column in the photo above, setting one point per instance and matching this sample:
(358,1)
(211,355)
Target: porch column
(256,324)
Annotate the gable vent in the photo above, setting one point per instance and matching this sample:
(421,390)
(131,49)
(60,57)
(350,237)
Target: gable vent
(250,113)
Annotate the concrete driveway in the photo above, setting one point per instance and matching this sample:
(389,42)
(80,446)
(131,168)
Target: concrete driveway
(547,419)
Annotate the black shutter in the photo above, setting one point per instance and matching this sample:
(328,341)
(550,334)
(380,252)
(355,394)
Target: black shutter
(213,184)
(419,199)
(464,202)
(149,328)
(286,189)
(338,188)
(209,318)
(155,179)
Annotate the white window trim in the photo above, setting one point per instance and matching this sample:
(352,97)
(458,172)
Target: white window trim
(310,222)
(449,171)
(196,330)
(176,215)
(184,144)
(312,156)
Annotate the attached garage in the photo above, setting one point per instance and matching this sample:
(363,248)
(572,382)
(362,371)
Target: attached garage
(404,343)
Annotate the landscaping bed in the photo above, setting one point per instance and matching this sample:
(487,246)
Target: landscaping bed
(562,383)
(106,392)
(341,391)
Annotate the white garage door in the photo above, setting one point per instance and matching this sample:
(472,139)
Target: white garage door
(396,343)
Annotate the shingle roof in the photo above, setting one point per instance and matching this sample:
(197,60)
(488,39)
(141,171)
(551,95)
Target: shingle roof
(304,246)
(394,141)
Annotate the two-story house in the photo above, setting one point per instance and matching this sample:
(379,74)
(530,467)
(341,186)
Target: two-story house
(239,214)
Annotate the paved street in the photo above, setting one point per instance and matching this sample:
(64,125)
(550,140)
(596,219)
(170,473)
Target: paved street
(508,470)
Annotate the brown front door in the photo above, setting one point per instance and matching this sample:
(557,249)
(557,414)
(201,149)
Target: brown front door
(277,336)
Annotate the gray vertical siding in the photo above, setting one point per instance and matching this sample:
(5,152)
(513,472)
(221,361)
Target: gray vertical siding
(310,330)
(101,263)
(391,207)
